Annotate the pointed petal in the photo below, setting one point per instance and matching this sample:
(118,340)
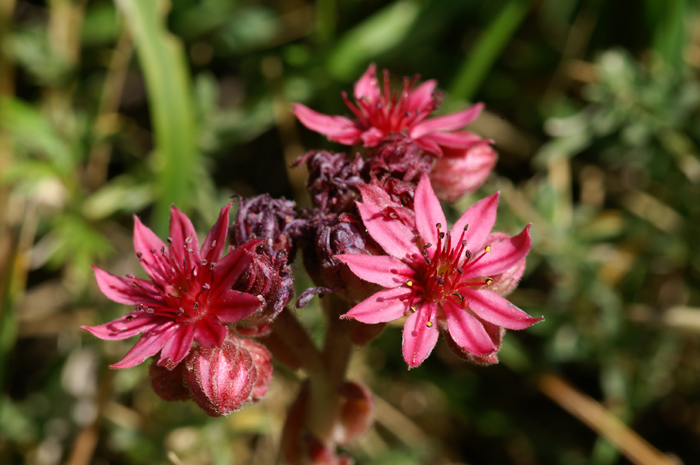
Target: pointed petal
(466,330)
(497,310)
(127,326)
(378,269)
(210,333)
(149,344)
(428,144)
(128,291)
(177,348)
(502,256)
(428,212)
(185,244)
(146,244)
(419,339)
(480,217)
(392,235)
(367,87)
(215,241)
(231,306)
(422,96)
(456,139)
(448,122)
(230,267)
(382,307)
(336,128)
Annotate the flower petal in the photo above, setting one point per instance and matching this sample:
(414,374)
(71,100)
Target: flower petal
(210,333)
(419,338)
(382,307)
(336,128)
(498,310)
(421,98)
(367,87)
(456,139)
(177,347)
(185,244)
(480,217)
(146,245)
(466,330)
(230,267)
(128,291)
(428,212)
(448,122)
(149,344)
(378,269)
(231,306)
(127,326)
(215,241)
(392,235)
(502,256)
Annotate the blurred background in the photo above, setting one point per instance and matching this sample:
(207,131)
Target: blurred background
(109,109)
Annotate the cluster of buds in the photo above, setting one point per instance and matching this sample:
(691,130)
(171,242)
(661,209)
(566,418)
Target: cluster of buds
(376,237)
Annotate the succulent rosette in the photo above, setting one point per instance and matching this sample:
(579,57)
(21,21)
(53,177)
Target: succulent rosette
(437,278)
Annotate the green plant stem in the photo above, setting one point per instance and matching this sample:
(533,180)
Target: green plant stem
(295,338)
(487,48)
(325,400)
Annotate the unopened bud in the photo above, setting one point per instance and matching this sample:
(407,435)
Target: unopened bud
(220,379)
(169,384)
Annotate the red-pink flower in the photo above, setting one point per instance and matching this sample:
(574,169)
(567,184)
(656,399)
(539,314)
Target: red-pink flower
(439,279)
(188,297)
(379,112)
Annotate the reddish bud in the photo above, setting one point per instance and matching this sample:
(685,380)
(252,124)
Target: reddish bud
(169,384)
(262,359)
(220,379)
(462,171)
(356,413)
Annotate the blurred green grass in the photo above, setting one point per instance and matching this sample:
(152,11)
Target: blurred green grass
(113,109)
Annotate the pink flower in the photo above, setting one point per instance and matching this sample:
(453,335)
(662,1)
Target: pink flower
(379,113)
(188,297)
(439,279)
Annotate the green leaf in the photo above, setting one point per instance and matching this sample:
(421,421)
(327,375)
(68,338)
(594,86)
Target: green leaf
(379,33)
(170,96)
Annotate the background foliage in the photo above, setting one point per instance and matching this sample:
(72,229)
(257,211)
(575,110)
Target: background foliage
(109,109)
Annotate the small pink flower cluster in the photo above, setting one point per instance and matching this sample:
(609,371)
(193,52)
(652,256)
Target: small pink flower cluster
(376,238)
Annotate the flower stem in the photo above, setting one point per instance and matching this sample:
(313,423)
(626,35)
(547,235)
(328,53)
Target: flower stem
(296,339)
(325,400)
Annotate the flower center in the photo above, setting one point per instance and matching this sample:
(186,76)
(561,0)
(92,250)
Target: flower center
(184,286)
(442,275)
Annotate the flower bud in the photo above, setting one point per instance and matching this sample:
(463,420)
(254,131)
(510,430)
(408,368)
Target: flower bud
(332,179)
(356,412)
(269,276)
(264,217)
(220,379)
(462,171)
(262,359)
(169,384)
(329,235)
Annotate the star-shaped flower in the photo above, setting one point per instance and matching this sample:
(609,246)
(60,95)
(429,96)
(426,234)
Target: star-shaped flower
(379,112)
(439,279)
(188,297)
